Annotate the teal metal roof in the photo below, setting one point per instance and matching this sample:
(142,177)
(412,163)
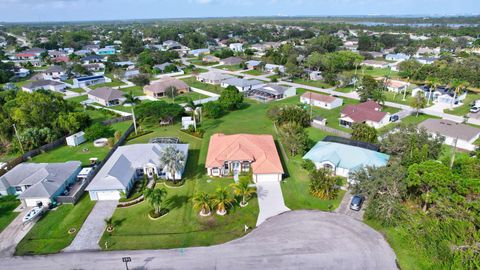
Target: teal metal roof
(346,156)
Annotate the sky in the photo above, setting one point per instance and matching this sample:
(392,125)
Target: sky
(84,10)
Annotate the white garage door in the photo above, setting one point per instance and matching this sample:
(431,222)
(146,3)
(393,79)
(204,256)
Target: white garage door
(261,178)
(108,195)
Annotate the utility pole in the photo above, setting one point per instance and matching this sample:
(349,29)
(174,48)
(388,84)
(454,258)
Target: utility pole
(18,138)
(134,121)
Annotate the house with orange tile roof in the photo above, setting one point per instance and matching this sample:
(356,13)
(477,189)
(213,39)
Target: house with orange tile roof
(233,154)
(321,101)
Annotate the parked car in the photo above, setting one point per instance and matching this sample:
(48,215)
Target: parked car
(356,203)
(475,109)
(394,118)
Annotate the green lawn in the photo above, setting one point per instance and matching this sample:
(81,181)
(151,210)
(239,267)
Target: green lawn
(398,97)
(376,72)
(81,153)
(230,68)
(78,99)
(137,90)
(113,83)
(465,108)
(192,82)
(182,227)
(188,71)
(7,205)
(412,119)
(50,234)
(347,89)
(77,90)
(254,72)
(202,63)
(319,84)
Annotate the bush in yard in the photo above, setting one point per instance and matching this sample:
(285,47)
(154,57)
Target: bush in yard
(141,80)
(111,142)
(230,98)
(293,114)
(294,137)
(308,165)
(152,112)
(323,184)
(97,131)
(212,110)
(117,135)
(364,133)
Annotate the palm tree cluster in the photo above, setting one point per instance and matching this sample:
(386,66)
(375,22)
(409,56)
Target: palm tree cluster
(221,199)
(173,160)
(156,197)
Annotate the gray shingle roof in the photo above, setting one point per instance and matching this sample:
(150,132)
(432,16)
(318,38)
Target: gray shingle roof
(41,83)
(121,166)
(241,82)
(106,93)
(44,179)
(54,69)
(450,129)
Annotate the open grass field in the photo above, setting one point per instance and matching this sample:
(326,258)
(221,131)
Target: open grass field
(229,67)
(254,72)
(113,83)
(77,90)
(136,90)
(50,234)
(319,84)
(7,205)
(190,70)
(192,82)
(82,152)
(376,72)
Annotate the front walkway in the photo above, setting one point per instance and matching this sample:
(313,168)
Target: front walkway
(14,233)
(92,230)
(270,201)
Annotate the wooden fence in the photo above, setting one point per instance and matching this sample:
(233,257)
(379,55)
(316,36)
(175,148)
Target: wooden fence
(337,132)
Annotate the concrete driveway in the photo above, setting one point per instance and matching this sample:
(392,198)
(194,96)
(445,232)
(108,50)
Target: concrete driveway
(344,207)
(270,200)
(293,240)
(14,233)
(91,232)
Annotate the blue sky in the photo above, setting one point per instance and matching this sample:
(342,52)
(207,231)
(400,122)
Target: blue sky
(69,10)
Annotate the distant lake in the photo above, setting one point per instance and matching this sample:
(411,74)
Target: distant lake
(453,25)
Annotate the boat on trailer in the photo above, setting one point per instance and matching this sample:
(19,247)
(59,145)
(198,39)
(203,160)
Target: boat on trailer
(33,213)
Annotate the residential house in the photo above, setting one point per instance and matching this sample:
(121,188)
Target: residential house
(36,183)
(271,68)
(236,47)
(128,164)
(426,51)
(441,94)
(213,77)
(242,84)
(315,75)
(375,64)
(199,52)
(171,44)
(456,134)
(94,67)
(253,64)
(270,92)
(163,67)
(21,72)
(210,59)
(106,96)
(397,57)
(44,84)
(233,154)
(368,112)
(427,60)
(320,100)
(90,80)
(89,59)
(130,73)
(376,54)
(125,64)
(30,54)
(395,85)
(158,88)
(55,73)
(231,61)
(343,159)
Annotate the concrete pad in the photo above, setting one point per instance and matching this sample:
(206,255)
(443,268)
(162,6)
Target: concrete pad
(270,200)
(92,230)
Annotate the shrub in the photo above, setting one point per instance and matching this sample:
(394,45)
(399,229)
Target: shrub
(97,131)
(212,110)
(308,165)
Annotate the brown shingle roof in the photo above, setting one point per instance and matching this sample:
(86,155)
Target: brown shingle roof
(162,85)
(106,93)
(319,97)
(450,129)
(366,111)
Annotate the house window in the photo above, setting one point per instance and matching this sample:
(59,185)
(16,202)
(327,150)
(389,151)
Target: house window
(226,166)
(246,166)
(18,189)
(328,166)
(215,171)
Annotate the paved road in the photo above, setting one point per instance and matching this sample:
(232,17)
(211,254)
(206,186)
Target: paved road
(270,201)
(91,232)
(293,240)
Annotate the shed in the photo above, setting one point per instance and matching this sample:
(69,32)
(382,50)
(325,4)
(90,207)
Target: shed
(76,139)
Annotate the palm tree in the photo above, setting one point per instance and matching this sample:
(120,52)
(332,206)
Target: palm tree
(109,223)
(203,202)
(131,98)
(171,92)
(221,200)
(155,196)
(173,160)
(242,188)
(433,84)
(457,85)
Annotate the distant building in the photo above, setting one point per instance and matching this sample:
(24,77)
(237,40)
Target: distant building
(106,96)
(368,112)
(236,47)
(159,88)
(44,84)
(456,134)
(375,64)
(321,101)
(90,80)
(271,92)
(242,84)
(213,77)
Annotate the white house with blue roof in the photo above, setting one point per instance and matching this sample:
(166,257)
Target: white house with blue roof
(343,159)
